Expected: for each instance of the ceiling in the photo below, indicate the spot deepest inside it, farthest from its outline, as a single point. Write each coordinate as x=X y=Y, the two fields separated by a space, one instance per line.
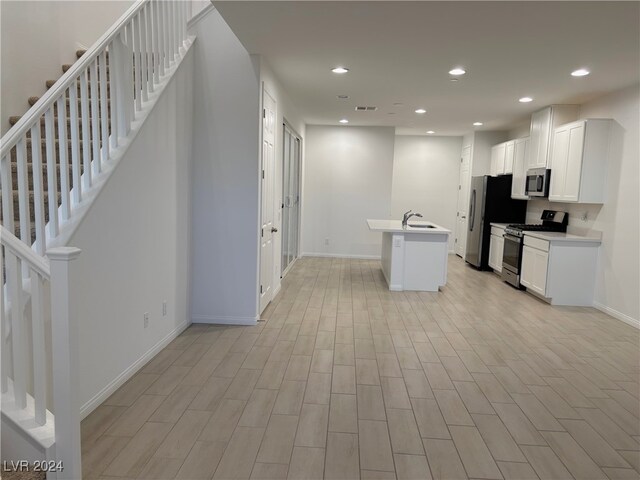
x=401 y=52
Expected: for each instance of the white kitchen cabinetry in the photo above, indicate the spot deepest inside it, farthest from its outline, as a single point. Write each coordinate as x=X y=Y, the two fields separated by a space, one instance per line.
x=497 y=159
x=579 y=161
x=535 y=259
x=543 y=124
x=509 y=151
x=496 y=248
x=561 y=269
x=519 y=182
x=502 y=158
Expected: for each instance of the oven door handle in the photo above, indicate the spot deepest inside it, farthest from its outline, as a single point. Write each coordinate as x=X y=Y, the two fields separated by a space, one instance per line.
x=513 y=238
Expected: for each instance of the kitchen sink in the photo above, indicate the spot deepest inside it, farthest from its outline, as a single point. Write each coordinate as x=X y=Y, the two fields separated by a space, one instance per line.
x=418 y=225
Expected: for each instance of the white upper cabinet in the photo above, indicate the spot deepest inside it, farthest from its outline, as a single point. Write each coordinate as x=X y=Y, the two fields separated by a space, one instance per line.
x=579 y=161
x=509 y=151
x=543 y=123
x=502 y=158
x=519 y=182
x=497 y=159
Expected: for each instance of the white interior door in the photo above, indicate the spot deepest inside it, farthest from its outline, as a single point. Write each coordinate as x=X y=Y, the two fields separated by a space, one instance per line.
x=267 y=225
x=463 y=202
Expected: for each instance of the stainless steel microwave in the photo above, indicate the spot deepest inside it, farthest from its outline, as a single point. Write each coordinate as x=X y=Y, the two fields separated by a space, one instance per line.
x=538 y=182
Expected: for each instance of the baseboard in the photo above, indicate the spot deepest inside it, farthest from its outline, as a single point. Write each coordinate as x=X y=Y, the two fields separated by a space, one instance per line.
x=623 y=317
x=221 y=320
x=107 y=391
x=342 y=255
x=276 y=290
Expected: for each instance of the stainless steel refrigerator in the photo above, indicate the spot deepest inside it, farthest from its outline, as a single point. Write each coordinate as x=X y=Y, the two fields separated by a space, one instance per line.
x=490 y=201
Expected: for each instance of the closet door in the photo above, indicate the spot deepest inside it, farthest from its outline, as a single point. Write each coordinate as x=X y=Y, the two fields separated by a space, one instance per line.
x=290 y=198
x=285 y=198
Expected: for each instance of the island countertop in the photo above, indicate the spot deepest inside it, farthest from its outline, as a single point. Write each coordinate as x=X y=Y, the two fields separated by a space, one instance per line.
x=395 y=226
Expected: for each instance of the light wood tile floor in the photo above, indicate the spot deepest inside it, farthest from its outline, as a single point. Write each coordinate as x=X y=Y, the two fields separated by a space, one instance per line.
x=343 y=380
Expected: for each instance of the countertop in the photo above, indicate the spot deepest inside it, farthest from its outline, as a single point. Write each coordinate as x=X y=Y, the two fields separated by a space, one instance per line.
x=556 y=237
x=395 y=226
x=578 y=235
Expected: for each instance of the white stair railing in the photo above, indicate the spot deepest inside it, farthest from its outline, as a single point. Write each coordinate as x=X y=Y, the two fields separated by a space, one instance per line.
x=24 y=380
x=103 y=93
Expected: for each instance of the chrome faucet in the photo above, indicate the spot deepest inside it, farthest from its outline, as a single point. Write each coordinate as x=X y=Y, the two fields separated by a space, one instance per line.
x=407 y=216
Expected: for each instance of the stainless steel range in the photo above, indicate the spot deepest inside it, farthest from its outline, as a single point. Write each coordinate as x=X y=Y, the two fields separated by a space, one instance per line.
x=552 y=221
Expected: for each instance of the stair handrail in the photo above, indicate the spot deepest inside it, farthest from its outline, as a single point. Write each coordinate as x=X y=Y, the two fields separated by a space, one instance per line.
x=22 y=126
x=96 y=103
x=12 y=243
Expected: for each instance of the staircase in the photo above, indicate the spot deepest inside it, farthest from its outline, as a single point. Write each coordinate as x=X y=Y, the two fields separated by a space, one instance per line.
x=29 y=157
x=53 y=162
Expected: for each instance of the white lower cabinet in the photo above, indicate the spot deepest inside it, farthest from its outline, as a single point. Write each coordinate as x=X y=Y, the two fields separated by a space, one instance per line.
x=496 y=248
x=563 y=270
x=534 y=269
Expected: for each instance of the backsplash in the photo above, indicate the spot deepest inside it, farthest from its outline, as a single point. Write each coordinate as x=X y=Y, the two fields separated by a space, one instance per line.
x=582 y=216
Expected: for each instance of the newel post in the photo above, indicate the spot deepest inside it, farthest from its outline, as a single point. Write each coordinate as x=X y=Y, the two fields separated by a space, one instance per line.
x=64 y=323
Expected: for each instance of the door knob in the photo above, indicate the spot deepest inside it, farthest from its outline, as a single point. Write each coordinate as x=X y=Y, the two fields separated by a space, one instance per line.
x=274 y=229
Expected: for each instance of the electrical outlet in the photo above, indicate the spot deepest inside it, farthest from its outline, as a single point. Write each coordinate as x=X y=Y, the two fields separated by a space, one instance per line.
x=585 y=216
x=146 y=319
x=326 y=241
x=164 y=308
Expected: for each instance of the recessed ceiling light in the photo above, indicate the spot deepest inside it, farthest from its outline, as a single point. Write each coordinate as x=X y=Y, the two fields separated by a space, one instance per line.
x=340 y=70
x=525 y=100
x=421 y=110
x=430 y=132
x=344 y=120
x=457 y=71
x=477 y=124
x=343 y=97
x=581 y=72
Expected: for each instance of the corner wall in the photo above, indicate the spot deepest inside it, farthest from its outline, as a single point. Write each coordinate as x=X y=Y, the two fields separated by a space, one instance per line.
x=226 y=181
x=135 y=248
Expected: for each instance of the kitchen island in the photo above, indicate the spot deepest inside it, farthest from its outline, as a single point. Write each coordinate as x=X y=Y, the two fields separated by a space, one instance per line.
x=413 y=257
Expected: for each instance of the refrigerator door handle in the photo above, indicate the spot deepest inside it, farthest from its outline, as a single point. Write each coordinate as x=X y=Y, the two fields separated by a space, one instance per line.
x=472 y=207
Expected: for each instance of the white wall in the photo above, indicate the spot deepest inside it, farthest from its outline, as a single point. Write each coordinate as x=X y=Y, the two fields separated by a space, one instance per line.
x=135 y=247
x=618 y=277
x=38 y=37
x=347 y=179
x=481 y=150
x=285 y=110
x=225 y=177
x=426 y=172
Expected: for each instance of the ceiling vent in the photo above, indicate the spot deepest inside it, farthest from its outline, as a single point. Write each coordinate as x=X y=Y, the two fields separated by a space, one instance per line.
x=366 y=109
